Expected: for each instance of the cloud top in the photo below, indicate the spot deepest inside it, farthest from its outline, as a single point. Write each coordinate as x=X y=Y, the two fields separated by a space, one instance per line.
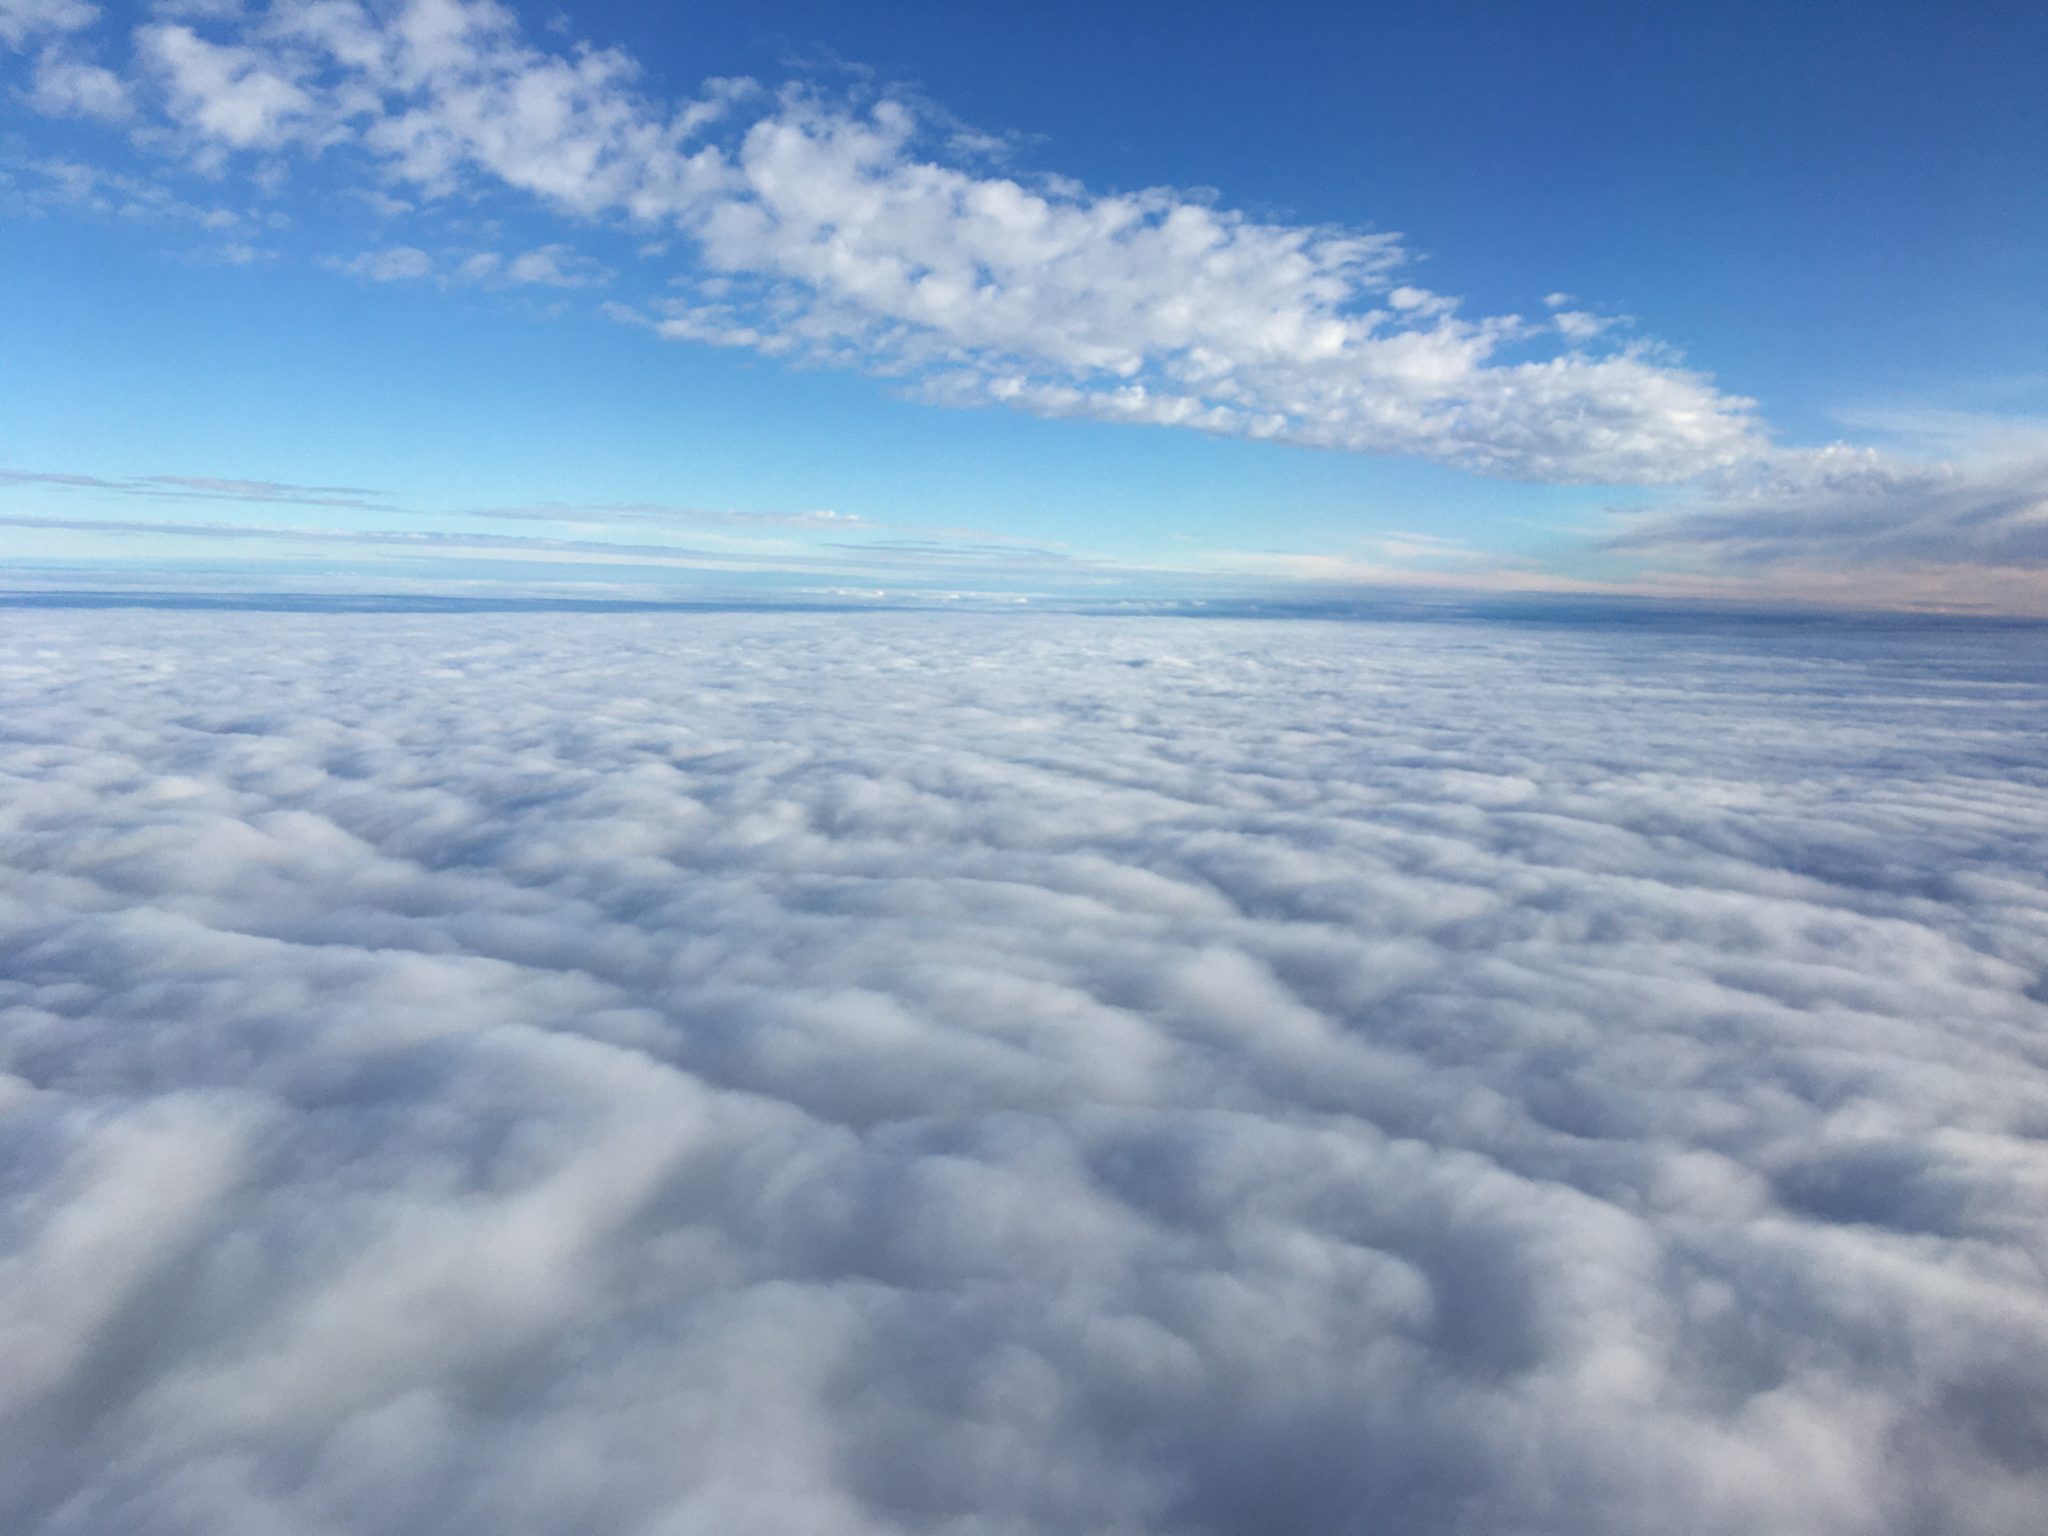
x=736 y=1072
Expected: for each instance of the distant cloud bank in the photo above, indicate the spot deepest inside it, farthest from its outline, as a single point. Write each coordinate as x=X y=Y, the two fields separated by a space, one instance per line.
x=660 y=1073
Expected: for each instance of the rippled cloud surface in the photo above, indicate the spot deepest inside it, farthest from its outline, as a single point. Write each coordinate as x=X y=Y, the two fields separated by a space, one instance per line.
x=736 y=1073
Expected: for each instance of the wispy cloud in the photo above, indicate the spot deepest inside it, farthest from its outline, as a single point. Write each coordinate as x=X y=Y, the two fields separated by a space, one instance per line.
x=392 y=264
x=547 y=266
x=1866 y=510
x=663 y=514
x=66 y=86
x=206 y=488
x=1968 y=528
x=26 y=21
x=908 y=559
x=53 y=183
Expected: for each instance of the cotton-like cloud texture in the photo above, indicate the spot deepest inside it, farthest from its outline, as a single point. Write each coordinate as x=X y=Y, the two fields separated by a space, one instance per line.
x=770 y=1073
x=859 y=233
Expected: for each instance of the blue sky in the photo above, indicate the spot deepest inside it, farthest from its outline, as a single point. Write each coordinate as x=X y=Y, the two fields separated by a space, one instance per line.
x=1739 y=300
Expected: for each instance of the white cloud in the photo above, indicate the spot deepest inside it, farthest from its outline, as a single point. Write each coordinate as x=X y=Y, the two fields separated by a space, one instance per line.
x=394 y=264
x=838 y=233
x=55 y=183
x=550 y=266
x=22 y=21
x=1579 y=325
x=234 y=97
x=206 y=488
x=66 y=86
x=529 y=1075
x=383 y=204
x=555 y=266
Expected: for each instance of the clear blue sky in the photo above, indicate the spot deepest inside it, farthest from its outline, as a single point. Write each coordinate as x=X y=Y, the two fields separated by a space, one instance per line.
x=223 y=266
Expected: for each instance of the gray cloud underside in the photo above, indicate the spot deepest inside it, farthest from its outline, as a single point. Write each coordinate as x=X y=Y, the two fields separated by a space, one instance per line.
x=1870 y=511
x=656 y=1075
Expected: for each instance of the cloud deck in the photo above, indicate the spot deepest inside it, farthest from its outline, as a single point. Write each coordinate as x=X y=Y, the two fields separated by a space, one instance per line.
x=659 y=1073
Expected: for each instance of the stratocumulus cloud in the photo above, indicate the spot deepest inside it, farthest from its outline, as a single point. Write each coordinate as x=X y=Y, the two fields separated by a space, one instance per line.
x=661 y=1073
x=856 y=233
x=1965 y=529
x=1863 y=508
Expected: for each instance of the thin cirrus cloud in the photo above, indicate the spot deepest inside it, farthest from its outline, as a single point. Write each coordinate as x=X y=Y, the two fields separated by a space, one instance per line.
x=829 y=232
x=793 y=538
x=532 y=1075
x=226 y=489
x=548 y=266
x=755 y=549
x=203 y=488
x=618 y=513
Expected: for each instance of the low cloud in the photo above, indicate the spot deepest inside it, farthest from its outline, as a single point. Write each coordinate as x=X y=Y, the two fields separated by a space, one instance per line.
x=1847 y=518
x=531 y=1074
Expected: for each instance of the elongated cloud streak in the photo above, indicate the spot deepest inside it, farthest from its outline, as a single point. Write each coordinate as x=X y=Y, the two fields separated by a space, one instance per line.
x=833 y=232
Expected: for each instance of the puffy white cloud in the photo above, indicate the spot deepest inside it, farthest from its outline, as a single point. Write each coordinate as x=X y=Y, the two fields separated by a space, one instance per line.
x=66 y=86
x=741 y=1072
x=22 y=21
x=1579 y=325
x=839 y=232
x=235 y=97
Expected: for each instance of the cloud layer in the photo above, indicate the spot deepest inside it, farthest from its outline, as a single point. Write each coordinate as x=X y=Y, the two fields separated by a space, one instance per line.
x=1870 y=511
x=1836 y=515
x=679 y=1073
x=862 y=234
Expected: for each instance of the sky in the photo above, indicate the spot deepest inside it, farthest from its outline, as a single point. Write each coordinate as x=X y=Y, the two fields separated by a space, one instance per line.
x=523 y=1012
x=1064 y=302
